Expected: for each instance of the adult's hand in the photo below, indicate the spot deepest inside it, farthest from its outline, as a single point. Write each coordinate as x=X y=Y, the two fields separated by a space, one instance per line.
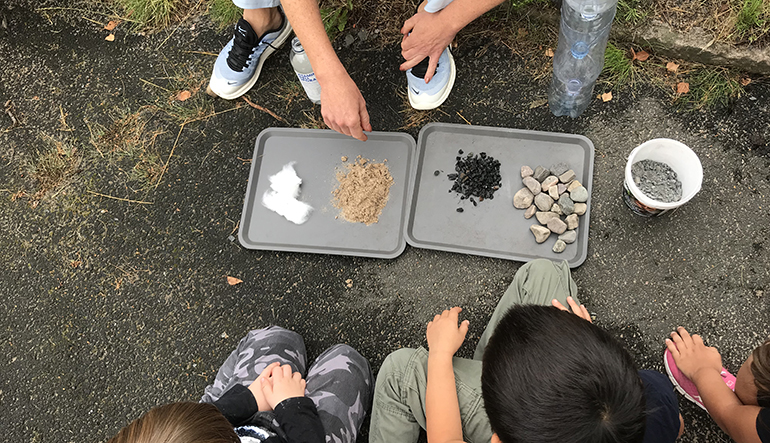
x=691 y=355
x=580 y=311
x=344 y=108
x=425 y=36
x=444 y=335
x=282 y=384
x=256 y=388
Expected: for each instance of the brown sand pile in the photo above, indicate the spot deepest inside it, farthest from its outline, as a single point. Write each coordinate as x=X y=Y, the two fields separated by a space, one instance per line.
x=363 y=191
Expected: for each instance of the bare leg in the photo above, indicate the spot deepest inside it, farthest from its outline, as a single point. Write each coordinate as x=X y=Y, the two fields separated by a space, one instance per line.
x=263 y=19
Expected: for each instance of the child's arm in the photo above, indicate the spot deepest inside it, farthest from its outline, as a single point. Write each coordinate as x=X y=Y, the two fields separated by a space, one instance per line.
x=703 y=365
x=296 y=414
x=442 y=410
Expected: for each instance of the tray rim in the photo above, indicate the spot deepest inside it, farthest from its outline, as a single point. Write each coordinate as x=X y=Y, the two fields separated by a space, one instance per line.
x=430 y=127
x=327 y=133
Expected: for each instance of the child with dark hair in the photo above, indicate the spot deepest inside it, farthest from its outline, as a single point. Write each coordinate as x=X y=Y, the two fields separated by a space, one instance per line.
x=739 y=404
x=546 y=376
x=262 y=393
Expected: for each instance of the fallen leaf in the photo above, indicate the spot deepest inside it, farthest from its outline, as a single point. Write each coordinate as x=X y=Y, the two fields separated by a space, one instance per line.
x=549 y=52
x=184 y=95
x=607 y=96
x=110 y=38
x=682 y=88
x=641 y=55
x=232 y=281
x=672 y=67
x=112 y=24
x=745 y=81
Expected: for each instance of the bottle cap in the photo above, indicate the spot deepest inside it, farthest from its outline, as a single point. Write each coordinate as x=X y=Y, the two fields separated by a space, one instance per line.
x=296 y=46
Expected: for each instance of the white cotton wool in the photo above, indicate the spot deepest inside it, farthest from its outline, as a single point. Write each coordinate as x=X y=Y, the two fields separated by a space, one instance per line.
x=281 y=198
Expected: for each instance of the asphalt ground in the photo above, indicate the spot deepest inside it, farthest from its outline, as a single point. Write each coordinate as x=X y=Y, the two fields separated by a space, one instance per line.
x=112 y=307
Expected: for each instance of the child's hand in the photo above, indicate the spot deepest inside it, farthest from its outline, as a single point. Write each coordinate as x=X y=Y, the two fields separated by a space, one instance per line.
x=444 y=336
x=580 y=311
x=281 y=385
x=256 y=388
x=691 y=355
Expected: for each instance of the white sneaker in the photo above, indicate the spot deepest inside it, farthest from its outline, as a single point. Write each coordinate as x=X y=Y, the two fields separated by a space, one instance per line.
x=239 y=63
x=432 y=94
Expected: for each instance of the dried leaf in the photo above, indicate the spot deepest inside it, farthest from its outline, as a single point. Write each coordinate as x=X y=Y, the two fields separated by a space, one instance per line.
x=232 y=281
x=110 y=38
x=682 y=88
x=672 y=67
x=607 y=96
x=522 y=32
x=641 y=55
x=549 y=52
x=112 y=24
x=184 y=95
x=745 y=81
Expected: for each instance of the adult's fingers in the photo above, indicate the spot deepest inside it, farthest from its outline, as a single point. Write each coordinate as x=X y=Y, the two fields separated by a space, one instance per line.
x=572 y=305
x=365 y=124
x=557 y=304
x=432 y=65
x=408 y=25
x=671 y=346
x=357 y=132
x=586 y=315
x=410 y=63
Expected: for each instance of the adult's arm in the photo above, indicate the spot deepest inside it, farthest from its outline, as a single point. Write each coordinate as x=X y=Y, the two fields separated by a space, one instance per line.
x=428 y=34
x=739 y=421
x=342 y=105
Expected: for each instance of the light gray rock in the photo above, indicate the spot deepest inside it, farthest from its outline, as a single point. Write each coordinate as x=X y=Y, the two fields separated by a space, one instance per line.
x=530 y=212
x=579 y=194
x=549 y=181
x=572 y=221
x=573 y=184
x=566 y=204
x=532 y=184
x=567 y=176
x=559 y=246
x=553 y=192
x=580 y=208
x=523 y=199
x=526 y=171
x=543 y=217
x=540 y=173
x=559 y=168
x=556 y=208
x=557 y=226
x=562 y=188
x=568 y=237
x=541 y=233
x=543 y=202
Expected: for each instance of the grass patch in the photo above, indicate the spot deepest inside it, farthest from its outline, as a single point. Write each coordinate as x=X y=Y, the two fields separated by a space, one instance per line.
x=224 y=13
x=710 y=87
x=618 y=68
x=55 y=165
x=197 y=104
x=335 y=14
x=753 y=20
x=153 y=14
x=313 y=119
x=291 y=92
x=631 y=12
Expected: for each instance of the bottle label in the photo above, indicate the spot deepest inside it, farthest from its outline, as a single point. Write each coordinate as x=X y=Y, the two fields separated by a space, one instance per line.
x=311 y=86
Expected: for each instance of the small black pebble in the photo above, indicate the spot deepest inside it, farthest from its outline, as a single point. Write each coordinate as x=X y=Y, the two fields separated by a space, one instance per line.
x=436 y=172
x=460 y=209
x=460 y=152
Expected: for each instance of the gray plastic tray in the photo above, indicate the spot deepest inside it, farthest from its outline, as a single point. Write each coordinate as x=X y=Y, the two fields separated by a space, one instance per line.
x=494 y=228
x=317 y=154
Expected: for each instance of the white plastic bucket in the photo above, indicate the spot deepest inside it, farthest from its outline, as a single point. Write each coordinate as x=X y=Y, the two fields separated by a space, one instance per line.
x=680 y=158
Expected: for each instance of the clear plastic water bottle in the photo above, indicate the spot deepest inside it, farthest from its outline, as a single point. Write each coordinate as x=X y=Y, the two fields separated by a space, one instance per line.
x=579 y=58
x=301 y=65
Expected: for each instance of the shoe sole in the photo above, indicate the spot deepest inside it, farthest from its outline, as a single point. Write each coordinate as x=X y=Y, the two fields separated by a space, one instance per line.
x=444 y=95
x=679 y=388
x=274 y=46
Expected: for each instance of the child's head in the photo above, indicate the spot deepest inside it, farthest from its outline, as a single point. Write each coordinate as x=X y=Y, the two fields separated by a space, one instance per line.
x=752 y=384
x=184 y=422
x=550 y=376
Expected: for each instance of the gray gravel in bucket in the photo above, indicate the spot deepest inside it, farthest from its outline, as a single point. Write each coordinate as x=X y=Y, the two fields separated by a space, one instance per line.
x=657 y=181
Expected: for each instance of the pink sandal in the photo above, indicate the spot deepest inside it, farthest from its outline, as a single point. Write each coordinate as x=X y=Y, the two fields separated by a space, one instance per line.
x=687 y=387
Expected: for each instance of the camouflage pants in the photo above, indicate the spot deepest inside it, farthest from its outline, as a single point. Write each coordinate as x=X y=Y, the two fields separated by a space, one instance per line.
x=339 y=381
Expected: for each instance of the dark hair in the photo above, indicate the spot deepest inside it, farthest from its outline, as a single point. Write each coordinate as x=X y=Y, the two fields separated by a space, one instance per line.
x=183 y=422
x=760 y=369
x=550 y=376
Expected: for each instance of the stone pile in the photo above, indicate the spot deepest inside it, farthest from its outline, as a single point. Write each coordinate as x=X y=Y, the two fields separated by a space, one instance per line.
x=556 y=199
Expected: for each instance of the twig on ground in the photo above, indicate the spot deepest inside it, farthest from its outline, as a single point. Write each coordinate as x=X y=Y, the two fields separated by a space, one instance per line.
x=58 y=8
x=170 y=154
x=201 y=52
x=153 y=84
x=120 y=198
x=92 y=20
x=465 y=119
x=263 y=109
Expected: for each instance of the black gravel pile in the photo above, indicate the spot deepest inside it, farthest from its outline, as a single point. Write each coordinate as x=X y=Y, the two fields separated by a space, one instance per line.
x=657 y=180
x=475 y=176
